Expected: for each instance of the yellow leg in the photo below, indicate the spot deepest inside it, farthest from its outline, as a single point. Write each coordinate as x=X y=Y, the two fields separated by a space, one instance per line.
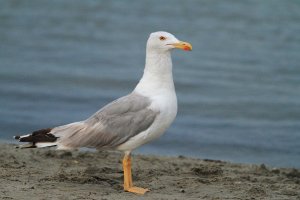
x=128 y=185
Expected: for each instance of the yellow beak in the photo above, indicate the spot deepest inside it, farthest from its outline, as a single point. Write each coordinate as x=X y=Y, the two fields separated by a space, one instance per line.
x=183 y=45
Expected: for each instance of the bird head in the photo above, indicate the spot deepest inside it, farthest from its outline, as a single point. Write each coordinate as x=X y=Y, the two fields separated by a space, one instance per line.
x=164 y=41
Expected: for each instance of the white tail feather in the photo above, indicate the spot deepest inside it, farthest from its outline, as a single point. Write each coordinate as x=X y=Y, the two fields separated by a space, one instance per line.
x=45 y=144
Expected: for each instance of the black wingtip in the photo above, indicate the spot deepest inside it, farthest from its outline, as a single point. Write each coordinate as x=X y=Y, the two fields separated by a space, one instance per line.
x=42 y=135
x=17 y=137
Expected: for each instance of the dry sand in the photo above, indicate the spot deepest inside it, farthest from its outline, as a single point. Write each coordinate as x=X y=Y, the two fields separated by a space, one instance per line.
x=48 y=174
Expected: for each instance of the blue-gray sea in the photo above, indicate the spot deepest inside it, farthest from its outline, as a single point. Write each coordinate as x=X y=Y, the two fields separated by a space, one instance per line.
x=238 y=90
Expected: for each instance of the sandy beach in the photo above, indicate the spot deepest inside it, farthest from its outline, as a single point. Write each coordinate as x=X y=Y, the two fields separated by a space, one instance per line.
x=49 y=174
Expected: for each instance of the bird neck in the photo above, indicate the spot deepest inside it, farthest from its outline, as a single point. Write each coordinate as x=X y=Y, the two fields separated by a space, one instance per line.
x=157 y=75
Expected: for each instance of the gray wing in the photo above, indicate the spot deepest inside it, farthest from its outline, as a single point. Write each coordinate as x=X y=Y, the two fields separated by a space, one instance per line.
x=111 y=126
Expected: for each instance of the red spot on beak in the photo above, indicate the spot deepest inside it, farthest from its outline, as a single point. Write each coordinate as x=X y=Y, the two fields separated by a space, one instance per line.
x=187 y=48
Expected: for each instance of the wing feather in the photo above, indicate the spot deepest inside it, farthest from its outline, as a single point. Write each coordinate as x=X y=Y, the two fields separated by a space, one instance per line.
x=111 y=126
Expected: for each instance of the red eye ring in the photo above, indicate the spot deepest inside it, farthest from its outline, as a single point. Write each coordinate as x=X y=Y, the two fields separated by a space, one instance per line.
x=162 y=38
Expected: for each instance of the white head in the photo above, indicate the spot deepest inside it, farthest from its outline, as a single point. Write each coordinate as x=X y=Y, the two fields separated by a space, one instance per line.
x=163 y=41
x=158 y=77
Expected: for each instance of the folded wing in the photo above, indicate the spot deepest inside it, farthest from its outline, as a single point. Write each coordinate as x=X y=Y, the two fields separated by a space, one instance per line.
x=111 y=126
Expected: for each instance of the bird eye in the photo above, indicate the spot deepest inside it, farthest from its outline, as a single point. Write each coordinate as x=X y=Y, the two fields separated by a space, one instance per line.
x=162 y=38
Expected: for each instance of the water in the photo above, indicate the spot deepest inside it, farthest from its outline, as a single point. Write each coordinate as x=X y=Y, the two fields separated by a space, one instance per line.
x=238 y=90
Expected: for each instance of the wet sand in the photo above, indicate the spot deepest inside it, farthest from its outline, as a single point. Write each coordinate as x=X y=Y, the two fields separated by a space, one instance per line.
x=49 y=174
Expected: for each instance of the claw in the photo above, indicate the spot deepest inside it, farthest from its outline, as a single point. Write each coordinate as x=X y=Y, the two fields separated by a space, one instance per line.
x=137 y=190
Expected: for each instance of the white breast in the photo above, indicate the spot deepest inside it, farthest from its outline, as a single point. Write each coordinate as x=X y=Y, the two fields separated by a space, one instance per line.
x=166 y=105
x=156 y=84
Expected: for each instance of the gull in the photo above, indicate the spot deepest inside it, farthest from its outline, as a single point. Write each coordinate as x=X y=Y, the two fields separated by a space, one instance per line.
x=130 y=121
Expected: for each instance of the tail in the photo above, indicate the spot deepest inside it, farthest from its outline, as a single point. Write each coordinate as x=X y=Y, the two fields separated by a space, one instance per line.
x=39 y=138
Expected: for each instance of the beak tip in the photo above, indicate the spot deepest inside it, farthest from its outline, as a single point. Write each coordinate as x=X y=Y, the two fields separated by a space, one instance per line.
x=183 y=45
x=187 y=46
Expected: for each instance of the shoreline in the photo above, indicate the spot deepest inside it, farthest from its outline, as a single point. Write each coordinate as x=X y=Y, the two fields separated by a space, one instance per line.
x=147 y=151
x=49 y=174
